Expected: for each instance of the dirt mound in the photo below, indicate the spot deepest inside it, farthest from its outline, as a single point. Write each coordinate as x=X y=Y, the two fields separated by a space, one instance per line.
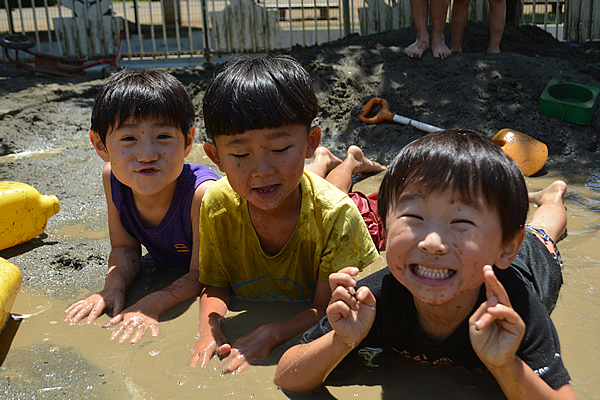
x=469 y=90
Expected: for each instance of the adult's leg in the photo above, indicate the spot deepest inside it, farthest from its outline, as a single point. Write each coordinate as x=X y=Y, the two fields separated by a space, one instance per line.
x=439 y=11
x=497 y=20
x=420 y=13
x=550 y=215
x=460 y=15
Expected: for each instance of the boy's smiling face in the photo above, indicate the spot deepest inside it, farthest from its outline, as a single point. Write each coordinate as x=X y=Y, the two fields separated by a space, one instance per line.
x=438 y=245
x=265 y=166
x=146 y=156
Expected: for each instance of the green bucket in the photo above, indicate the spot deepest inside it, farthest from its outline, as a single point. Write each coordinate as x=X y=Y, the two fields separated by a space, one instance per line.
x=570 y=102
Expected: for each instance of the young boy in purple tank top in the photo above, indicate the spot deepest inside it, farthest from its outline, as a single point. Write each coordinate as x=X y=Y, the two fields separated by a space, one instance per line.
x=143 y=127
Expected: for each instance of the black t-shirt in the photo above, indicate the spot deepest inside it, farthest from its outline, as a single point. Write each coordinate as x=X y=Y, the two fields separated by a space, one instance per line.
x=396 y=326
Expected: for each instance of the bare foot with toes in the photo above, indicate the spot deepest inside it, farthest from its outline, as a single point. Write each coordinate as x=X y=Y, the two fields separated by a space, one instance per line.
x=552 y=194
x=550 y=215
x=323 y=163
x=417 y=49
x=325 y=157
x=439 y=49
x=364 y=164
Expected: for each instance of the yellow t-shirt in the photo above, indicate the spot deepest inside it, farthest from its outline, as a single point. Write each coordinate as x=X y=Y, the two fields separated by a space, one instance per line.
x=330 y=235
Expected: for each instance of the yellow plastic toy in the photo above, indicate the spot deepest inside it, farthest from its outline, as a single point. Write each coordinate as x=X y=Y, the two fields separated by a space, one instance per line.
x=23 y=213
x=10 y=282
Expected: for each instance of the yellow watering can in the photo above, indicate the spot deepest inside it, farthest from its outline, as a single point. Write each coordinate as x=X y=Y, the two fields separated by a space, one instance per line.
x=23 y=213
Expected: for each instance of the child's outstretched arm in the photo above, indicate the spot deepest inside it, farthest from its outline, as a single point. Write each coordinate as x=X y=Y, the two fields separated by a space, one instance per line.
x=259 y=343
x=496 y=331
x=123 y=267
x=144 y=314
x=304 y=367
x=214 y=305
x=256 y=345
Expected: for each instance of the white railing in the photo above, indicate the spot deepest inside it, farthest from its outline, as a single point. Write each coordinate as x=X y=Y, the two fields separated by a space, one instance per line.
x=175 y=28
x=543 y=10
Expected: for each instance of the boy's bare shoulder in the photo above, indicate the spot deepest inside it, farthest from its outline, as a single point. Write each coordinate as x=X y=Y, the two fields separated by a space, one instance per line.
x=106 y=171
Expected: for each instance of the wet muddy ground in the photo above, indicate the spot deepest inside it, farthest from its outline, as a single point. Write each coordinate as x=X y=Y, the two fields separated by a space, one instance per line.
x=44 y=123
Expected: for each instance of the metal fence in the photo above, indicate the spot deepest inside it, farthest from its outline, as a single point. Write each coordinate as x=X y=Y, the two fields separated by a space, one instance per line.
x=176 y=28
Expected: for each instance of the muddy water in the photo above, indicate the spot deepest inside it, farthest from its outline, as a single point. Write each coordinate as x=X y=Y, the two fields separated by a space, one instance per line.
x=79 y=230
x=30 y=154
x=45 y=357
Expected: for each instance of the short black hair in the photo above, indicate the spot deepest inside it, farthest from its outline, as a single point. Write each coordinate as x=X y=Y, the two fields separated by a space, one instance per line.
x=258 y=92
x=142 y=94
x=465 y=161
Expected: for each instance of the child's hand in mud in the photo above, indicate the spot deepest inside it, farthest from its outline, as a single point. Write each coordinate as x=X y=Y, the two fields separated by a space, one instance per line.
x=94 y=306
x=351 y=313
x=495 y=328
x=247 y=350
x=135 y=320
x=206 y=346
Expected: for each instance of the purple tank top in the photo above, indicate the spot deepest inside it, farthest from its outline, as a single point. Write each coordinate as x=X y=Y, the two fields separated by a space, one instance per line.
x=170 y=242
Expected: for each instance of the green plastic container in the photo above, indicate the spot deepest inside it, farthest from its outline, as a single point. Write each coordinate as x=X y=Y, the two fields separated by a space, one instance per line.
x=569 y=101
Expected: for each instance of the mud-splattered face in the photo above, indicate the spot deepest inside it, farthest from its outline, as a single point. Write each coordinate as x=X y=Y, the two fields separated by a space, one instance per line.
x=146 y=156
x=265 y=166
x=437 y=245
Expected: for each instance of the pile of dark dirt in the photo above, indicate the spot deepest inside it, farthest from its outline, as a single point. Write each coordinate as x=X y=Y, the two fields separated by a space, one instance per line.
x=469 y=90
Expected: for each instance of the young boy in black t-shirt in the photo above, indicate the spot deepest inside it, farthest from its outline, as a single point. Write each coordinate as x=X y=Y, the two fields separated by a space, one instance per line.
x=468 y=283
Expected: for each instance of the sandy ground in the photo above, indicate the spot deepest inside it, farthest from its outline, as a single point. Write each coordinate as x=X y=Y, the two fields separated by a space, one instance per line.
x=49 y=116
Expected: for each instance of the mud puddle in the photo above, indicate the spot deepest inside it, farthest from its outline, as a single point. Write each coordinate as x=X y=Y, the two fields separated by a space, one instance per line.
x=48 y=358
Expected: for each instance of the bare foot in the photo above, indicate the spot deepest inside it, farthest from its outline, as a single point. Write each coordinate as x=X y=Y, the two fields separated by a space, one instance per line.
x=552 y=194
x=364 y=164
x=550 y=215
x=323 y=155
x=417 y=49
x=493 y=49
x=456 y=49
x=439 y=49
x=324 y=162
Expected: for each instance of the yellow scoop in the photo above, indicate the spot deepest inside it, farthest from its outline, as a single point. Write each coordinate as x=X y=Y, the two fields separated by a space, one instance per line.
x=530 y=154
x=23 y=213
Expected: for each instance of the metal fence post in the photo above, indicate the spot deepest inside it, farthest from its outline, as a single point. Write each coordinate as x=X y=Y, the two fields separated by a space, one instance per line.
x=346 y=9
x=8 y=9
x=205 y=34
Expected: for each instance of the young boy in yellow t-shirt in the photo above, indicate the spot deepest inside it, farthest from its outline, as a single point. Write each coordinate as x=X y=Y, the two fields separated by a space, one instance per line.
x=270 y=230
